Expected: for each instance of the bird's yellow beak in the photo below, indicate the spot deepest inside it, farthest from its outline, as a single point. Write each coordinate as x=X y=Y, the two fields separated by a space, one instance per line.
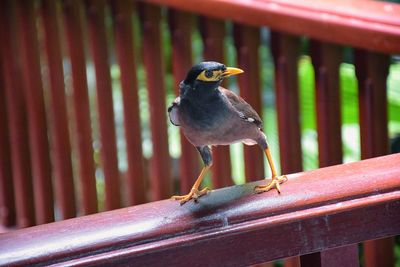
x=231 y=71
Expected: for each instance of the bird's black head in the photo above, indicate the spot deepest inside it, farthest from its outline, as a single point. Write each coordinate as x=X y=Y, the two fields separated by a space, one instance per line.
x=209 y=74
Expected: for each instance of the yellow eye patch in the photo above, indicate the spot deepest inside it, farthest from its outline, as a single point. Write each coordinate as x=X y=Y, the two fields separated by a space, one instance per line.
x=210 y=75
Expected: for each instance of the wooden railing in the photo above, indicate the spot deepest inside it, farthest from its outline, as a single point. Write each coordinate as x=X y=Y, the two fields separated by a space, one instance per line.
x=46 y=131
x=319 y=210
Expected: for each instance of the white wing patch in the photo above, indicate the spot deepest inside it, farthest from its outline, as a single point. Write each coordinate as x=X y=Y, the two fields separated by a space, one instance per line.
x=249 y=119
x=177 y=100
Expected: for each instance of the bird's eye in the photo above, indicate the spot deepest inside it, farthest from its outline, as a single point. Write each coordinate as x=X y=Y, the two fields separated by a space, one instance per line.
x=208 y=73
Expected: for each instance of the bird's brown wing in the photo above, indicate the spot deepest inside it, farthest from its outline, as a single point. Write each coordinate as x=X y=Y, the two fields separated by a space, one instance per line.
x=243 y=108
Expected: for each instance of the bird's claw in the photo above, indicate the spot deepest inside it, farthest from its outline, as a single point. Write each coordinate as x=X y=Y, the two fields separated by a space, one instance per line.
x=193 y=194
x=275 y=183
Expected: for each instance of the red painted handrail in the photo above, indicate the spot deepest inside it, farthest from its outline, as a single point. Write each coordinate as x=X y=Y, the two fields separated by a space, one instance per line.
x=320 y=209
x=365 y=24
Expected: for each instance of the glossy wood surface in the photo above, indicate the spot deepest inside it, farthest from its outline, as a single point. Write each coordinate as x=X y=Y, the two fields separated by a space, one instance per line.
x=317 y=210
x=354 y=23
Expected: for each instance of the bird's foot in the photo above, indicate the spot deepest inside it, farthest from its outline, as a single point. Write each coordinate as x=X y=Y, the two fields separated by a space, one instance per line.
x=275 y=183
x=193 y=194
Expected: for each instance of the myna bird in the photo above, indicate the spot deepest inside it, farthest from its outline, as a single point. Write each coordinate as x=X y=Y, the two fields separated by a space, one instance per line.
x=211 y=115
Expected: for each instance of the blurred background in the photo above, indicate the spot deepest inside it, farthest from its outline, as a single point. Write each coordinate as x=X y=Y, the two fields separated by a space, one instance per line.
x=23 y=20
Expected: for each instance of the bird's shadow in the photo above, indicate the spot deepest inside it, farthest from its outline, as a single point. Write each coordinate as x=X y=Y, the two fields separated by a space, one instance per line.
x=218 y=204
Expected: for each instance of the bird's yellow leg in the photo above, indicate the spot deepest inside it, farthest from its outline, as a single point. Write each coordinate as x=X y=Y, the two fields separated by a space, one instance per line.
x=276 y=180
x=194 y=192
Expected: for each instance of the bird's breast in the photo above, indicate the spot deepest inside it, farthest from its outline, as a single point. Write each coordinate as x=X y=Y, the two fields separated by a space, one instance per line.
x=202 y=116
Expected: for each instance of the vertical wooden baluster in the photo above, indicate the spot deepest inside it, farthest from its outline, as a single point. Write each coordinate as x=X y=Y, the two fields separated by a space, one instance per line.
x=181 y=25
x=247 y=42
x=16 y=111
x=64 y=183
x=372 y=70
x=7 y=205
x=213 y=33
x=122 y=12
x=74 y=37
x=161 y=181
x=326 y=59
x=98 y=47
x=39 y=143
x=285 y=51
x=343 y=256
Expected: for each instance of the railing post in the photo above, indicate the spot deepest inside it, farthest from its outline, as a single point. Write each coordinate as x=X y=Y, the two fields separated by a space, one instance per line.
x=16 y=111
x=160 y=176
x=38 y=139
x=98 y=47
x=7 y=205
x=247 y=42
x=64 y=183
x=181 y=25
x=372 y=70
x=122 y=15
x=285 y=51
x=326 y=59
x=81 y=114
x=342 y=256
x=213 y=34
